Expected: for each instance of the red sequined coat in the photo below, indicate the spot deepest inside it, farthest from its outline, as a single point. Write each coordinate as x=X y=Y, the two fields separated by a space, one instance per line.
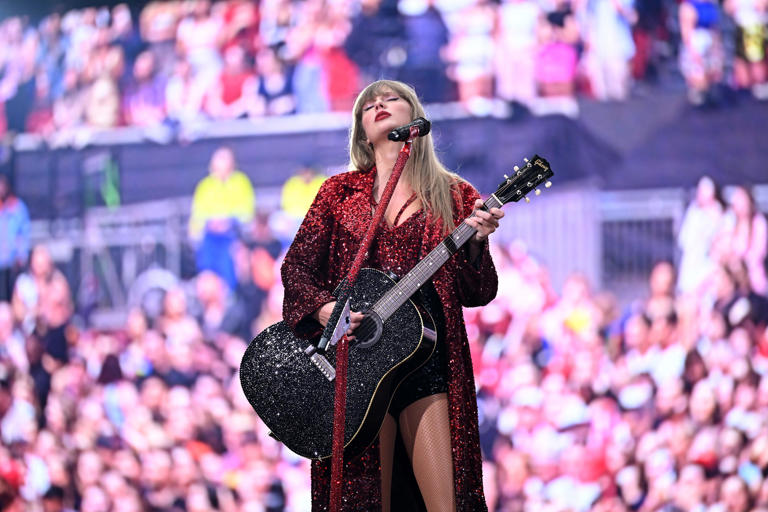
x=320 y=257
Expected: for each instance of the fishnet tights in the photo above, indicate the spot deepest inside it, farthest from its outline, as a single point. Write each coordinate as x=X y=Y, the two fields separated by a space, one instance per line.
x=425 y=429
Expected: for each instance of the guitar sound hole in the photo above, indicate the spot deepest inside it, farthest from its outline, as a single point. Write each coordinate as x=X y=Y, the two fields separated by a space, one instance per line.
x=369 y=330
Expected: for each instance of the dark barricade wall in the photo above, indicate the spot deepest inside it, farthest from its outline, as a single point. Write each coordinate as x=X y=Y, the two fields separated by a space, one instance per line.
x=730 y=144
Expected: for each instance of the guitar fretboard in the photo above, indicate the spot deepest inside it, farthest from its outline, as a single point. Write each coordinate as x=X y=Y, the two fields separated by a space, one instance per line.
x=424 y=270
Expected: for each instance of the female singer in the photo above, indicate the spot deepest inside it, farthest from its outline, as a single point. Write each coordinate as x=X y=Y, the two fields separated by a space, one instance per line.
x=427 y=453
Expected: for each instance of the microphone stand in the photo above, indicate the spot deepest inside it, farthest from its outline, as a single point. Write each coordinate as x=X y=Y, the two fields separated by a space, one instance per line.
x=342 y=347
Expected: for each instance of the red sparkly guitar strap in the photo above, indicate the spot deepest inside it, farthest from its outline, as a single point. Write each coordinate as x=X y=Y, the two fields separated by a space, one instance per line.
x=342 y=347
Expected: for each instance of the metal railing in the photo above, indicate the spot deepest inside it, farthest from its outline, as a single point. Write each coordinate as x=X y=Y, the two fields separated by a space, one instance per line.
x=637 y=230
x=104 y=253
x=613 y=238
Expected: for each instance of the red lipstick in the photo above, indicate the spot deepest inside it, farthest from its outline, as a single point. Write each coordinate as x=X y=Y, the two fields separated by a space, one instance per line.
x=382 y=115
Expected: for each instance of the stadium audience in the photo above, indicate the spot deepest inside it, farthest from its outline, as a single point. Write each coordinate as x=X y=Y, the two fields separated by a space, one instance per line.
x=583 y=406
x=750 y=71
x=144 y=97
x=661 y=405
x=234 y=92
x=313 y=55
x=515 y=42
x=701 y=48
x=14 y=237
x=700 y=225
x=609 y=46
x=744 y=237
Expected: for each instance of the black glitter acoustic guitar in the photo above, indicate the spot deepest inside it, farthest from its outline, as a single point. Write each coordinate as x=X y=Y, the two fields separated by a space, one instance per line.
x=291 y=386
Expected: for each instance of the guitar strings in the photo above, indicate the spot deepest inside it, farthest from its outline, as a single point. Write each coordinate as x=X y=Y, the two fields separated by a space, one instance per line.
x=392 y=300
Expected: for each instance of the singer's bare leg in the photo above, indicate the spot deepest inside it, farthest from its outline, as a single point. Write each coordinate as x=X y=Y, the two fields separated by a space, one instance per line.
x=387 y=436
x=426 y=432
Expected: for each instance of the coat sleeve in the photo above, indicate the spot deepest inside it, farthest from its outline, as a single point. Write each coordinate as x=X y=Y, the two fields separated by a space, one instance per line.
x=476 y=281
x=304 y=270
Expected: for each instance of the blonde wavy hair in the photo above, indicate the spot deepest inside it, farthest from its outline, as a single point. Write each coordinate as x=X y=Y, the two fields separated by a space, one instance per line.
x=428 y=178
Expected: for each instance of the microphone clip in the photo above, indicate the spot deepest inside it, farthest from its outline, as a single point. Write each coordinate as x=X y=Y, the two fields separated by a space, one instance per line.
x=416 y=128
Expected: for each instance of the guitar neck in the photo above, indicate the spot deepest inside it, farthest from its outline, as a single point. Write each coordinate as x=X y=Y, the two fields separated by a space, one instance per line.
x=423 y=271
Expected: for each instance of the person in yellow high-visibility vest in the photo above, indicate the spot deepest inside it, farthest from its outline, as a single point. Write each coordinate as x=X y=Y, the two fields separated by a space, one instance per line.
x=299 y=191
x=223 y=203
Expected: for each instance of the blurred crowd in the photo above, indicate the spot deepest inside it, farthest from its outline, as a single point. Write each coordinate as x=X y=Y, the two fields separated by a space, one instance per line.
x=656 y=405
x=585 y=404
x=171 y=66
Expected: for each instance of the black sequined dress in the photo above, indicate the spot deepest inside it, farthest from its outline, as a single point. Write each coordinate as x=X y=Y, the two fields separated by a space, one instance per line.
x=395 y=251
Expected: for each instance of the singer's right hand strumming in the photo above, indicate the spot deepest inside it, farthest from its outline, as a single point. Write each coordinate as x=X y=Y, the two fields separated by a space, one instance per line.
x=323 y=314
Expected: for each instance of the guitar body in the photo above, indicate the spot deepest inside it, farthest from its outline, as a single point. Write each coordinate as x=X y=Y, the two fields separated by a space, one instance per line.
x=295 y=399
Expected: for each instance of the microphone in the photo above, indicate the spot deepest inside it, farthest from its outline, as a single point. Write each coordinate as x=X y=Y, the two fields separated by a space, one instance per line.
x=403 y=132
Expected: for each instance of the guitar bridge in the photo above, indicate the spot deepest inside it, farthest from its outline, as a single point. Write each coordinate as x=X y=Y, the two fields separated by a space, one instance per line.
x=319 y=360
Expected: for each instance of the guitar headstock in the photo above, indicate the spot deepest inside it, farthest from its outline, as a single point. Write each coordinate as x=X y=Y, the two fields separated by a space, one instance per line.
x=525 y=178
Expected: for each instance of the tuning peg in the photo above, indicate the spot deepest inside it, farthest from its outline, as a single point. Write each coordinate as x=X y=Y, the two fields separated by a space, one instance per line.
x=538 y=192
x=548 y=184
x=527 y=199
x=525 y=159
x=517 y=168
x=506 y=177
